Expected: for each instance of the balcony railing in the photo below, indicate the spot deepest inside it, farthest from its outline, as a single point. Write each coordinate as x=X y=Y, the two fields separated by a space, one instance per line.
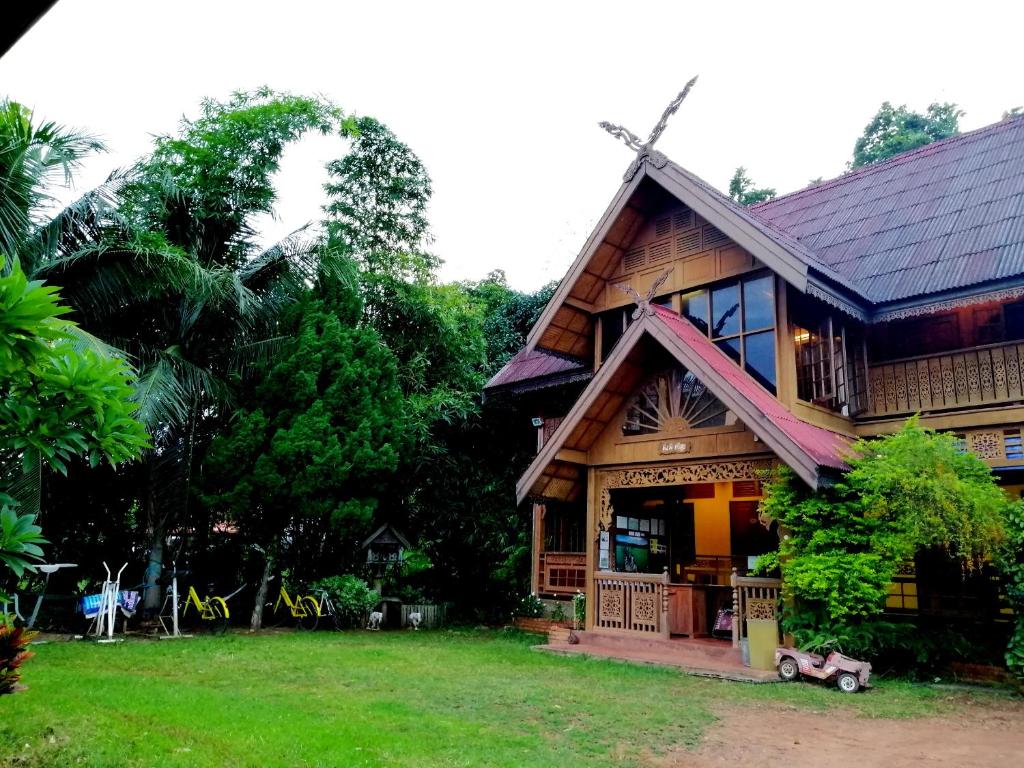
x=955 y=380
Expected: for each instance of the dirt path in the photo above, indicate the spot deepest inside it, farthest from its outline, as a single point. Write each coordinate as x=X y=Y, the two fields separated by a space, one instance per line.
x=983 y=735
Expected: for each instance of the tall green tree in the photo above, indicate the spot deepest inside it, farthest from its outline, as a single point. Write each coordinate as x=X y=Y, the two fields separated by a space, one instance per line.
x=743 y=191
x=894 y=130
x=164 y=266
x=306 y=461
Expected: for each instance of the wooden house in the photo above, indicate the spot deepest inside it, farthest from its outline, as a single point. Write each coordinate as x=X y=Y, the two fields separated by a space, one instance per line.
x=756 y=336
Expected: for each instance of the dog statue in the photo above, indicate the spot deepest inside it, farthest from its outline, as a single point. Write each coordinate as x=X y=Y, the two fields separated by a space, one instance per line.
x=414 y=619
x=376 y=617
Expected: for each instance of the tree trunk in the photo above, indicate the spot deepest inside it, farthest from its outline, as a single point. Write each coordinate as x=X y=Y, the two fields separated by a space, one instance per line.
x=154 y=563
x=261 y=593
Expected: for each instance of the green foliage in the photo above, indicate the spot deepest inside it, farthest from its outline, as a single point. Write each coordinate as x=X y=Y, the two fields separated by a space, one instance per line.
x=20 y=538
x=1011 y=567
x=530 y=606
x=352 y=597
x=579 y=610
x=57 y=397
x=842 y=545
x=894 y=130
x=32 y=155
x=378 y=195
x=317 y=441
x=13 y=653
x=743 y=191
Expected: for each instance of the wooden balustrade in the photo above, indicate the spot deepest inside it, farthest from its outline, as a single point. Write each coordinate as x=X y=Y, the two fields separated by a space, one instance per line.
x=965 y=379
x=753 y=597
x=632 y=602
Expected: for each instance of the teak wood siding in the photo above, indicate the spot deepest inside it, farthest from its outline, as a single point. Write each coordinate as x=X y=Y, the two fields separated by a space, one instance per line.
x=677 y=239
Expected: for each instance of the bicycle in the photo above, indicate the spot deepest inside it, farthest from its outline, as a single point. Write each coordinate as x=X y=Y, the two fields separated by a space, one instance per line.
x=327 y=609
x=211 y=611
x=305 y=609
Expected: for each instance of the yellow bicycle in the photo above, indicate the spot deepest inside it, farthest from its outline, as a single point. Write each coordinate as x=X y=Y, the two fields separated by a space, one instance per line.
x=211 y=611
x=211 y=608
x=305 y=609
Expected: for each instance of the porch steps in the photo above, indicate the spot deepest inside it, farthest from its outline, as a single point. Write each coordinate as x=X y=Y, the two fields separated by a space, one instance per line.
x=703 y=657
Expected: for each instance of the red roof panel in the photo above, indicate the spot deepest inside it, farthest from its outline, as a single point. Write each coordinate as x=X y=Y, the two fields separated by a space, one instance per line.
x=825 y=447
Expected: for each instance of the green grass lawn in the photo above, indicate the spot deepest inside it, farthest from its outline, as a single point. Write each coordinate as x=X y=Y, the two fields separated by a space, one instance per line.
x=375 y=699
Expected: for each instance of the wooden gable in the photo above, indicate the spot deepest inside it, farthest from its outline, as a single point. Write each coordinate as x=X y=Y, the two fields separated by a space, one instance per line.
x=659 y=219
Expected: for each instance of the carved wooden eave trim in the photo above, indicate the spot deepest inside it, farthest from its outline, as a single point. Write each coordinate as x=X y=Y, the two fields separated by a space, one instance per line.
x=833 y=299
x=921 y=310
x=723 y=214
x=675 y=474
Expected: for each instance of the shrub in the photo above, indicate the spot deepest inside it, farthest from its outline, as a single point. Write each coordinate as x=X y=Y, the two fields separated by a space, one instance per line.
x=352 y=597
x=842 y=545
x=1011 y=565
x=13 y=653
x=531 y=607
x=579 y=610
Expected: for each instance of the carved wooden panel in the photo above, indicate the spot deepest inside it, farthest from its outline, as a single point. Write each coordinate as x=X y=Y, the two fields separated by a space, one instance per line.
x=986 y=445
x=759 y=608
x=966 y=379
x=677 y=474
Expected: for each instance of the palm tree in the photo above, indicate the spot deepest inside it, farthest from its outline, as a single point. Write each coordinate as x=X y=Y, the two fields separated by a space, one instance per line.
x=160 y=263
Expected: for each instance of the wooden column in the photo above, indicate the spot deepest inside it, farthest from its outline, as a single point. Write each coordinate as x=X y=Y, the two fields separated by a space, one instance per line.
x=537 y=535
x=593 y=495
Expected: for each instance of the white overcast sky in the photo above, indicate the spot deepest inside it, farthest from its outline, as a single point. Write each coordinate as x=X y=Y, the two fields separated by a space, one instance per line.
x=501 y=101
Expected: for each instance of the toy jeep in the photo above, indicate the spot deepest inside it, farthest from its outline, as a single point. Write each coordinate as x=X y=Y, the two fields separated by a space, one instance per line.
x=849 y=674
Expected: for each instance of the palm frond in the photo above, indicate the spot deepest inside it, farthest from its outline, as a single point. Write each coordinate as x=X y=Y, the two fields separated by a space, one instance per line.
x=76 y=226
x=103 y=278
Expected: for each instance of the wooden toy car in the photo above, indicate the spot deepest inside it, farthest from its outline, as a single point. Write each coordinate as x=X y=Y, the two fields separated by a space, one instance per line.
x=849 y=674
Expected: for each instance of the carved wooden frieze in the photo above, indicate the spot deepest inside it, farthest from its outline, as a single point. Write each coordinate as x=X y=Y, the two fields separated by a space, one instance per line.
x=676 y=474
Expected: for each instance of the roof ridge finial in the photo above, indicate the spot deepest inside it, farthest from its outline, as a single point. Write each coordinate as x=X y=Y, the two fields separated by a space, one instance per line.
x=643 y=303
x=645 y=151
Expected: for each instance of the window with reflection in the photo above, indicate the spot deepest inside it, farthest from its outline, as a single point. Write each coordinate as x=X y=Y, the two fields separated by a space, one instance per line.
x=739 y=317
x=831 y=357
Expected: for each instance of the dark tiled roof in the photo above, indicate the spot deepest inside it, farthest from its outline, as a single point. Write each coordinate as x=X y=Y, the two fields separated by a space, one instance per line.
x=536 y=364
x=947 y=216
x=824 y=447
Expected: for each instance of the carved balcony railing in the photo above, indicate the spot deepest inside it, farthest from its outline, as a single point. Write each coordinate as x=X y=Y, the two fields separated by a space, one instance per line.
x=955 y=380
x=632 y=602
x=563 y=573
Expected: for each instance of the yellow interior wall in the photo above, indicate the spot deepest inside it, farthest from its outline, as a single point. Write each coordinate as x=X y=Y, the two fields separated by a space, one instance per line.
x=711 y=522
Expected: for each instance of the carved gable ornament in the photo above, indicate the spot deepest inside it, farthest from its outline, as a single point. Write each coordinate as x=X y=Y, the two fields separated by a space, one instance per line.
x=645 y=151
x=674 y=400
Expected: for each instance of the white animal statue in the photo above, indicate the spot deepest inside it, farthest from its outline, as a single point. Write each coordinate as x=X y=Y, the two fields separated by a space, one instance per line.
x=376 y=617
x=415 y=618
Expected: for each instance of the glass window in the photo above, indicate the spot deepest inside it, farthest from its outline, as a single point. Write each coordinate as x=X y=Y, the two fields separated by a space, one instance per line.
x=758 y=303
x=725 y=310
x=613 y=325
x=731 y=347
x=695 y=309
x=759 y=357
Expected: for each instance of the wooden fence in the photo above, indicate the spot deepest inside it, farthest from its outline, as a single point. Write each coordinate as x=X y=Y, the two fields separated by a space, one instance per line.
x=431 y=616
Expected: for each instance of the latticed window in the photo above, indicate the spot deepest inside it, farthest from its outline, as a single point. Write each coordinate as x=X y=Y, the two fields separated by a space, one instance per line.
x=674 y=400
x=831 y=361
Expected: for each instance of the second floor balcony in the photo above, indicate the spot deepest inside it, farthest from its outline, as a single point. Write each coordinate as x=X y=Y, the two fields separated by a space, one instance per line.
x=972 y=378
